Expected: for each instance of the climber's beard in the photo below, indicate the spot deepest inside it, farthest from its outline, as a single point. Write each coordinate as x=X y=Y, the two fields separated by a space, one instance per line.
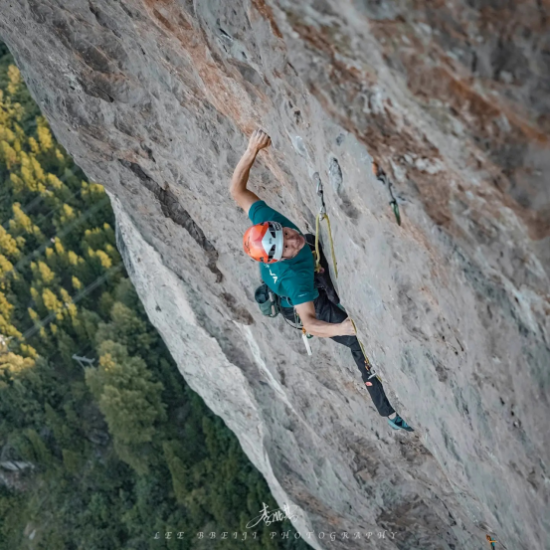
x=293 y=243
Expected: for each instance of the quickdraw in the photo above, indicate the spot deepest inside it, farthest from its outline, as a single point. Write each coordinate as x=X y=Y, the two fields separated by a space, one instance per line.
x=381 y=176
x=305 y=339
x=322 y=215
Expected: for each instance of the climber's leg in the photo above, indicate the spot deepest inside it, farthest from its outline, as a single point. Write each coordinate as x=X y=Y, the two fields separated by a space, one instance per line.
x=331 y=313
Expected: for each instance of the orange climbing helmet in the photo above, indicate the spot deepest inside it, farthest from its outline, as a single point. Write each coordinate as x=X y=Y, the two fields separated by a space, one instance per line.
x=263 y=242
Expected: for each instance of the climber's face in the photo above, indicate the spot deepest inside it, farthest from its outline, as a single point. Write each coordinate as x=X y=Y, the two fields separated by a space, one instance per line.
x=293 y=243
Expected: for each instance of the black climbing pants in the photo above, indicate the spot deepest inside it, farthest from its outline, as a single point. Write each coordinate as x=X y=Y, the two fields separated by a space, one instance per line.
x=329 y=312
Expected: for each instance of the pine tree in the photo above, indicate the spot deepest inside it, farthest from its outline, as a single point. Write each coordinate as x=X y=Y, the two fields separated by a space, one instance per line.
x=128 y=396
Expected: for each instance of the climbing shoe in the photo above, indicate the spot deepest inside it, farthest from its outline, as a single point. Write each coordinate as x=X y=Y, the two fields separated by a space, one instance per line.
x=398 y=423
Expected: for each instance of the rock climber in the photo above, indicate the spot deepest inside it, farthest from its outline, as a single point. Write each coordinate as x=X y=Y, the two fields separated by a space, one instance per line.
x=287 y=266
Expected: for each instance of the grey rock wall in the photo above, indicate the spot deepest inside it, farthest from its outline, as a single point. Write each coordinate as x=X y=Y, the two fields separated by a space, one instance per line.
x=155 y=99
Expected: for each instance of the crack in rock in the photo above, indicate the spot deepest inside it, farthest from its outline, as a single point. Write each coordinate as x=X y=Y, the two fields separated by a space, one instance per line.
x=172 y=209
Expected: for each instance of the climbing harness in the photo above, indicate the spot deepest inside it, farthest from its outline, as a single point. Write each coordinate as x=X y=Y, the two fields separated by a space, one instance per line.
x=381 y=176
x=270 y=306
x=322 y=215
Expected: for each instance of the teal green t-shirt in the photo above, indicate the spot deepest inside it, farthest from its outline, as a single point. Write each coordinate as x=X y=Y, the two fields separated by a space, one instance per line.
x=291 y=279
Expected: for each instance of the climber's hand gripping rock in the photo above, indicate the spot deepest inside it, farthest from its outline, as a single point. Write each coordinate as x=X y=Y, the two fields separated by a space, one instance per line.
x=347 y=328
x=258 y=140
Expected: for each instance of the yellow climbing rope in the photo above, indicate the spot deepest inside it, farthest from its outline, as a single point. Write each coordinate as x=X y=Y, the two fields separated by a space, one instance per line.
x=322 y=215
x=361 y=344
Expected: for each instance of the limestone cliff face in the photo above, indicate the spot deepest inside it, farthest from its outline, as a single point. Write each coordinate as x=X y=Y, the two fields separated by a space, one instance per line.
x=155 y=98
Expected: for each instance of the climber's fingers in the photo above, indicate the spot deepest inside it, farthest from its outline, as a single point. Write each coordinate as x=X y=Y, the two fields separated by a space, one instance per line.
x=259 y=140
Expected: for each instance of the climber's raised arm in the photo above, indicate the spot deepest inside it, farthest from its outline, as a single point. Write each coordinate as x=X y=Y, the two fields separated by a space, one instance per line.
x=240 y=194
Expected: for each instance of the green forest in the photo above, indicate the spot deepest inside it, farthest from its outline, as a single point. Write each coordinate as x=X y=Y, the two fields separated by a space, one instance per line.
x=105 y=451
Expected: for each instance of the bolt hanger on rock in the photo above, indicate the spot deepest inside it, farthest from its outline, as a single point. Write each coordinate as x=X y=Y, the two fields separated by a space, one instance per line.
x=381 y=176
